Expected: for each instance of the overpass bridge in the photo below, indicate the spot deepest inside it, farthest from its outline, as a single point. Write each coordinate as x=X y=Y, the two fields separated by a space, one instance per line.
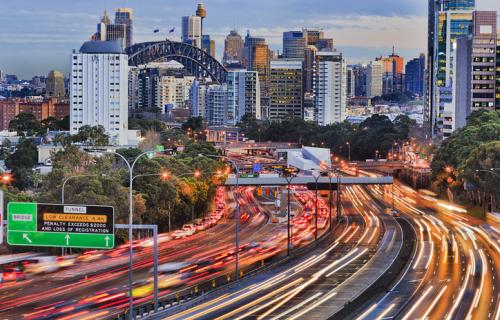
x=308 y=180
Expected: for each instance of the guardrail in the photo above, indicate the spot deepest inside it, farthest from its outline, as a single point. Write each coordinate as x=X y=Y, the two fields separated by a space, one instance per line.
x=200 y=292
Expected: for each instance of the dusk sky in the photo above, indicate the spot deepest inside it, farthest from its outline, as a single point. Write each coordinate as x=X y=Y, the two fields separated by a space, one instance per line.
x=38 y=36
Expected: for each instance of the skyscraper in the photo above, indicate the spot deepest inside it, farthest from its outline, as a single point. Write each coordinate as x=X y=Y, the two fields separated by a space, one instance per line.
x=360 y=75
x=233 y=48
x=351 y=82
x=257 y=56
x=54 y=85
x=330 y=88
x=374 y=79
x=99 y=89
x=415 y=76
x=309 y=59
x=121 y=30
x=294 y=44
x=208 y=45
x=285 y=89
x=123 y=16
x=250 y=41
x=392 y=78
x=324 y=44
x=312 y=36
x=191 y=30
x=448 y=20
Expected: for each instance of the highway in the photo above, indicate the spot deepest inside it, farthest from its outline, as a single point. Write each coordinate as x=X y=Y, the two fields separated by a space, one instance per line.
x=97 y=286
x=311 y=287
x=453 y=273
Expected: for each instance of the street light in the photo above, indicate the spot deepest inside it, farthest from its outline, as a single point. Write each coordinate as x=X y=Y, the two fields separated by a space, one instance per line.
x=492 y=171
x=289 y=244
x=237 y=212
x=316 y=175
x=130 y=168
x=349 y=145
x=75 y=177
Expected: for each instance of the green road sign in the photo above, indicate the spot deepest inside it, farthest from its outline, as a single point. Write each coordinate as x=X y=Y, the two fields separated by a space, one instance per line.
x=58 y=225
x=249 y=175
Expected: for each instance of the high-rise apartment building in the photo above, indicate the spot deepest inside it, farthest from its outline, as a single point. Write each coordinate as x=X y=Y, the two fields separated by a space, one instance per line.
x=330 y=88
x=285 y=89
x=191 y=30
x=374 y=79
x=197 y=99
x=54 y=85
x=243 y=96
x=233 y=48
x=99 y=89
x=216 y=102
x=497 y=90
x=484 y=37
x=294 y=43
x=415 y=76
x=309 y=59
x=124 y=16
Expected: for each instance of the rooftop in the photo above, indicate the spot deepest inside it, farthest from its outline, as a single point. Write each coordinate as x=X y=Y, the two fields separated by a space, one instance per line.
x=102 y=47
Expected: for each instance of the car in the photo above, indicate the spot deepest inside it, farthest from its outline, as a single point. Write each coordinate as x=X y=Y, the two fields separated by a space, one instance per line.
x=178 y=234
x=189 y=229
x=12 y=274
x=41 y=265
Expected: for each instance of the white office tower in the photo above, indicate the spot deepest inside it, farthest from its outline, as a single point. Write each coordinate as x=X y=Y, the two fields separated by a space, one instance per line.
x=330 y=88
x=216 y=102
x=99 y=89
x=243 y=95
x=374 y=79
x=173 y=90
x=191 y=30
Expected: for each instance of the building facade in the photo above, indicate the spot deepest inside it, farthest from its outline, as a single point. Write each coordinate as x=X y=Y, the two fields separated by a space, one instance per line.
x=330 y=88
x=99 y=89
x=191 y=31
x=294 y=44
x=54 y=85
x=48 y=108
x=216 y=104
x=243 y=96
x=374 y=79
x=124 y=16
x=286 y=89
x=233 y=48
x=415 y=76
x=484 y=37
x=351 y=82
x=448 y=21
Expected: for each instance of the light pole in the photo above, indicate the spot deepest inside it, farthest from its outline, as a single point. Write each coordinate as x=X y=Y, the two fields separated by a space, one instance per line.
x=349 y=145
x=316 y=176
x=289 y=246
x=130 y=168
x=237 y=212
x=74 y=177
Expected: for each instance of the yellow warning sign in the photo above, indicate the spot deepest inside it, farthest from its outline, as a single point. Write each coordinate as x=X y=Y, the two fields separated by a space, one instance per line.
x=74 y=217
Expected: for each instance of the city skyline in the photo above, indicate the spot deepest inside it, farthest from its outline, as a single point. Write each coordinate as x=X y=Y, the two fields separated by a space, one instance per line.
x=356 y=30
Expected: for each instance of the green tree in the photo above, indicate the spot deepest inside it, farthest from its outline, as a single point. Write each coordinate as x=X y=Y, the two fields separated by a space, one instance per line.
x=21 y=163
x=193 y=123
x=25 y=123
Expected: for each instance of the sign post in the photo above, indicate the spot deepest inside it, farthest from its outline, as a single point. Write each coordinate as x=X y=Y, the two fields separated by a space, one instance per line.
x=58 y=225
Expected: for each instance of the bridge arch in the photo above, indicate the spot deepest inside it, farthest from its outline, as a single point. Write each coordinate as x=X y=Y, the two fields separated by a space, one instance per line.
x=196 y=61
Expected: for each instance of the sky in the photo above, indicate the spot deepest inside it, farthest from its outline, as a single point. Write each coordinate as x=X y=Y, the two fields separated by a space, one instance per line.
x=38 y=36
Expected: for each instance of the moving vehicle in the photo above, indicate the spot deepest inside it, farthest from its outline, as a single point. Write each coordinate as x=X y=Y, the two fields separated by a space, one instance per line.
x=12 y=274
x=39 y=265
